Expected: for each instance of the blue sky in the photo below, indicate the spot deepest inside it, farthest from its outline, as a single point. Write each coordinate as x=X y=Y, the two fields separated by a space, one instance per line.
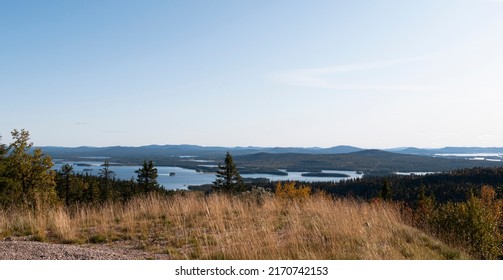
x=373 y=74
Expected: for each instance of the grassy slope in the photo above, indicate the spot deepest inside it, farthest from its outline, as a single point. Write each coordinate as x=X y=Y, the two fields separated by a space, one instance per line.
x=192 y=226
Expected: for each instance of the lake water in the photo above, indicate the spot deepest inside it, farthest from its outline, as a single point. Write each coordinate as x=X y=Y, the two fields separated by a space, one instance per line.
x=414 y=173
x=187 y=177
x=498 y=157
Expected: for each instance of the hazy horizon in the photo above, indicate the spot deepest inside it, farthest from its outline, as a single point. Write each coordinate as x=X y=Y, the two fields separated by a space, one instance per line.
x=323 y=73
x=266 y=147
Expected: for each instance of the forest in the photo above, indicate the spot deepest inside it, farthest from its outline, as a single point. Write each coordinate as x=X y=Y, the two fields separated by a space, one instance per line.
x=452 y=186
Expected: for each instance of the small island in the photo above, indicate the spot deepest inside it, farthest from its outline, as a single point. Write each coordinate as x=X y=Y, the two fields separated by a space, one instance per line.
x=323 y=174
x=264 y=171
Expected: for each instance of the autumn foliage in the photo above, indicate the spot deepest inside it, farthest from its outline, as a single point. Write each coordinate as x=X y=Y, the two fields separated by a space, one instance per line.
x=289 y=190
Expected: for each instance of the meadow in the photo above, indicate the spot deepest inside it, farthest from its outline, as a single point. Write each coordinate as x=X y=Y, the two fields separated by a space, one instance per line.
x=260 y=225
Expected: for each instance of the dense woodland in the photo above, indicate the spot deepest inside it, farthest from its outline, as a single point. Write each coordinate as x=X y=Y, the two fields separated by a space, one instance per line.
x=453 y=186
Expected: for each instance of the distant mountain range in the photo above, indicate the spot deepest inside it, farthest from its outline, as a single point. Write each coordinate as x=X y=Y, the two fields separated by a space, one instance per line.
x=450 y=150
x=188 y=150
x=270 y=159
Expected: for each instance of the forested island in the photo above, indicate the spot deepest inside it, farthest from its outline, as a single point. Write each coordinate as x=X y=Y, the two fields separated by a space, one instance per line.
x=325 y=174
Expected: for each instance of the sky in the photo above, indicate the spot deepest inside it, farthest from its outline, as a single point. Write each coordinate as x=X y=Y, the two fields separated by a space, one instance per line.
x=367 y=73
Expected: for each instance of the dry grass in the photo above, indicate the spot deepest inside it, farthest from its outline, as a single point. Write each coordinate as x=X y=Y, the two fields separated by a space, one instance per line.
x=193 y=226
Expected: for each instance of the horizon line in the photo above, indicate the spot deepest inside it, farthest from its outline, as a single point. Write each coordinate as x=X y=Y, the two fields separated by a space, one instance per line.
x=269 y=147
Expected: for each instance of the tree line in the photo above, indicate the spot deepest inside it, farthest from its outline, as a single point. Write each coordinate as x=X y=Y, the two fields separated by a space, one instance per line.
x=27 y=179
x=452 y=186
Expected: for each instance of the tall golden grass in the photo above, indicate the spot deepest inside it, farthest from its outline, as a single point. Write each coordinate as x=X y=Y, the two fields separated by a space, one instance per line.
x=218 y=226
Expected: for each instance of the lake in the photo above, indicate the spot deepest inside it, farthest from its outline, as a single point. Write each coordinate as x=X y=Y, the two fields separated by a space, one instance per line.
x=187 y=177
x=475 y=156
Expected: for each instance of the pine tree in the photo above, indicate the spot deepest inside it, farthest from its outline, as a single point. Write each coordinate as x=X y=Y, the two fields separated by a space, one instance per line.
x=3 y=150
x=106 y=173
x=147 y=177
x=3 y=153
x=67 y=172
x=107 y=176
x=4 y=196
x=228 y=178
x=386 y=193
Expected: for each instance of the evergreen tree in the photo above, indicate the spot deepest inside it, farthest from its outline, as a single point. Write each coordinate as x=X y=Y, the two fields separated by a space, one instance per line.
x=386 y=193
x=147 y=177
x=228 y=177
x=3 y=151
x=67 y=172
x=107 y=176
x=4 y=196
x=106 y=173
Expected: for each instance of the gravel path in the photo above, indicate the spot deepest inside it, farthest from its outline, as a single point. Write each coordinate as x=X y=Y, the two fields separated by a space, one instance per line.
x=30 y=250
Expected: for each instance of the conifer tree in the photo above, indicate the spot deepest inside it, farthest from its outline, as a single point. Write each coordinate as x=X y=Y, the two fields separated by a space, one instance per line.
x=3 y=180
x=106 y=173
x=3 y=150
x=386 y=193
x=147 y=177
x=3 y=153
x=67 y=172
x=228 y=178
x=107 y=176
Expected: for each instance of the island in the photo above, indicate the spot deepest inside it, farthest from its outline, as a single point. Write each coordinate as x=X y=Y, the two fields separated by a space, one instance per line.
x=325 y=174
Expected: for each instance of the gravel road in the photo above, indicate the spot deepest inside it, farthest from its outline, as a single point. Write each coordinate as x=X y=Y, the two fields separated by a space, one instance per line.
x=30 y=250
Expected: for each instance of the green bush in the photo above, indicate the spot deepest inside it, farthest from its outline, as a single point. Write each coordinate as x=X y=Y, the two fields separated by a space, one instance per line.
x=473 y=224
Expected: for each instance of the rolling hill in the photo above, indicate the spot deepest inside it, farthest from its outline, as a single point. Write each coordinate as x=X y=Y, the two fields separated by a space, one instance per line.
x=267 y=160
x=374 y=161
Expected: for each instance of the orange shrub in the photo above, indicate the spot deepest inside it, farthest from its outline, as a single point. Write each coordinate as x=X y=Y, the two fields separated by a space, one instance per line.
x=288 y=190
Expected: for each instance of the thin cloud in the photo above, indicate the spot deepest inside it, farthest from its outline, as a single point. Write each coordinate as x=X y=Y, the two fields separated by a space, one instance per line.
x=311 y=77
x=111 y=131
